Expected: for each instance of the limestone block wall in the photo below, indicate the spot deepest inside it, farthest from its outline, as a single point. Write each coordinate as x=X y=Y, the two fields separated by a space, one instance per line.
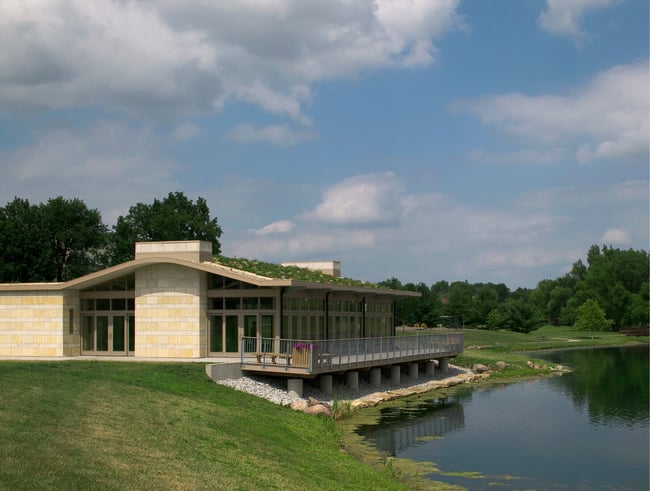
x=171 y=312
x=39 y=323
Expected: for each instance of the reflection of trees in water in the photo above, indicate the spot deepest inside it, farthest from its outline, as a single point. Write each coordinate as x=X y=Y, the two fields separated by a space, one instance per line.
x=611 y=383
x=400 y=428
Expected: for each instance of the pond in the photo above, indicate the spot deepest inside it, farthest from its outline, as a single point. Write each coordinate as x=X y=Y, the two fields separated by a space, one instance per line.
x=584 y=430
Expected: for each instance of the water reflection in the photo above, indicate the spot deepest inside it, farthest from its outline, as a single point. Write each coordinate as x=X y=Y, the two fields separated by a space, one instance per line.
x=585 y=430
x=407 y=426
x=611 y=384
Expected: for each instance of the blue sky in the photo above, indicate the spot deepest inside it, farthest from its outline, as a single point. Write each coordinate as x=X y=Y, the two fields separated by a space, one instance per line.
x=424 y=140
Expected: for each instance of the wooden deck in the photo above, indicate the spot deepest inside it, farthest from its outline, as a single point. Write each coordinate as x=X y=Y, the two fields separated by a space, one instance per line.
x=301 y=358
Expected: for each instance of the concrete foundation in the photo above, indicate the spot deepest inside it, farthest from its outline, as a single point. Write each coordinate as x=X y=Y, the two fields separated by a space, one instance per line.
x=430 y=368
x=295 y=385
x=326 y=384
x=223 y=371
x=443 y=365
x=395 y=374
x=375 y=377
x=352 y=380
x=414 y=369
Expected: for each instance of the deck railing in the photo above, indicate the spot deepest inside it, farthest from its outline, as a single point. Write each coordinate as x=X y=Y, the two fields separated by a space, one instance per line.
x=314 y=356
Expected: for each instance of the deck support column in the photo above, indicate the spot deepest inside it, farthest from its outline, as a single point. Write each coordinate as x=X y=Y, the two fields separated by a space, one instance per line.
x=430 y=368
x=375 y=377
x=352 y=380
x=414 y=370
x=325 y=383
x=443 y=365
x=395 y=373
x=295 y=385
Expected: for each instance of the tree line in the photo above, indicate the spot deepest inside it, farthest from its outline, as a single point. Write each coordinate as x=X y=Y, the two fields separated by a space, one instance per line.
x=611 y=290
x=62 y=239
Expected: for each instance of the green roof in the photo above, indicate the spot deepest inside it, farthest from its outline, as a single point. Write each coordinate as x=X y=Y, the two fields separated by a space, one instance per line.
x=277 y=271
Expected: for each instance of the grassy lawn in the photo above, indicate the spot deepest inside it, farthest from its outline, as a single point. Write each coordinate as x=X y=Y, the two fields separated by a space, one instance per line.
x=488 y=347
x=115 y=425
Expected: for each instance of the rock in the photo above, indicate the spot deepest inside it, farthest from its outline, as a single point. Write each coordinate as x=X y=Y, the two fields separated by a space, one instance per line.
x=313 y=402
x=479 y=368
x=318 y=410
x=501 y=365
x=299 y=405
x=529 y=364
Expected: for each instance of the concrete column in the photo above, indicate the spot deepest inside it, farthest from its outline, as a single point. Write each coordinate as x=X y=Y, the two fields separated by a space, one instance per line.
x=395 y=373
x=430 y=368
x=375 y=377
x=413 y=370
x=295 y=385
x=443 y=365
x=325 y=383
x=352 y=380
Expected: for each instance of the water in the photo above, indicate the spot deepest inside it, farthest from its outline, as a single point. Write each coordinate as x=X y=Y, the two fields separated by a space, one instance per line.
x=587 y=430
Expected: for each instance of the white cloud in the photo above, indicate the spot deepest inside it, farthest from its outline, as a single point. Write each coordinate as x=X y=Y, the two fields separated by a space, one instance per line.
x=276 y=134
x=279 y=227
x=562 y=17
x=360 y=200
x=607 y=119
x=183 y=58
x=617 y=236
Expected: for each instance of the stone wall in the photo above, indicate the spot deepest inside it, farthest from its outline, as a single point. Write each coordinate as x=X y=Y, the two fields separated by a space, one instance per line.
x=39 y=323
x=171 y=312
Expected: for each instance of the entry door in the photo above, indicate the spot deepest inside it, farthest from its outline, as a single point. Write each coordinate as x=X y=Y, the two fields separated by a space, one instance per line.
x=108 y=334
x=224 y=334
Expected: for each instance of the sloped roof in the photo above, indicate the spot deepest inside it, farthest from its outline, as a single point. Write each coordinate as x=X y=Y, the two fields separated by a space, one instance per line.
x=317 y=282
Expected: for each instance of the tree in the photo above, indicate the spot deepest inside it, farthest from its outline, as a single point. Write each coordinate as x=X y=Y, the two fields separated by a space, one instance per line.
x=591 y=317
x=75 y=234
x=173 y=218
x=55 y=241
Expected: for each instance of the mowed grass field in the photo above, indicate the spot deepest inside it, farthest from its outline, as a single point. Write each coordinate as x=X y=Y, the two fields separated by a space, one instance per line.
x=129 y=425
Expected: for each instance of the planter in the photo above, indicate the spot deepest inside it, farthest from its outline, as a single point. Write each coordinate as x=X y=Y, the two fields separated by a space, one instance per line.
x=301 y=357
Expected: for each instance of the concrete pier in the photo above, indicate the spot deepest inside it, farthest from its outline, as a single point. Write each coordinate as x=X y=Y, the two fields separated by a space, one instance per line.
x=295 y=385
x=443 y=365
x=414 y=369
x=430 y=368
x=375 y=377
x=352 y=380
x=326 y=384
x=395 y=373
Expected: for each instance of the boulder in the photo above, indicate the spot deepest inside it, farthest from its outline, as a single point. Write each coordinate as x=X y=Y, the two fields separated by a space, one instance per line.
x=479 y=368
x=501 y=365
x=318 y=410
x=299 y=405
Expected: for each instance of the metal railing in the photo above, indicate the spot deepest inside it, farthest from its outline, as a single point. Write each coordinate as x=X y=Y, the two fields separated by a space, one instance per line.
x=331 y=355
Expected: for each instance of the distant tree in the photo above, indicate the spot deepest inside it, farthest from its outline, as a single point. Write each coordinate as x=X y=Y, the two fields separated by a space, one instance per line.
x=55 y=241
x=173 y=218
x=75 y=234
x=520 y=316
x=494 y=319
x=591 y=317
x=23 y=252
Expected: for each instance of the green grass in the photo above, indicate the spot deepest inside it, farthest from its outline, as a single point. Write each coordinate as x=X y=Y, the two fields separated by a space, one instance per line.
x=114 y=425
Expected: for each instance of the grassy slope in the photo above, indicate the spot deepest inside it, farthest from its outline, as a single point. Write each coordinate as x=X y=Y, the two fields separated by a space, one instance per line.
x=111 y=425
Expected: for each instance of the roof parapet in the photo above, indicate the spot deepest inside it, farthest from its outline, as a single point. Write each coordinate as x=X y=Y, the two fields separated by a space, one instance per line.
x=190 y=250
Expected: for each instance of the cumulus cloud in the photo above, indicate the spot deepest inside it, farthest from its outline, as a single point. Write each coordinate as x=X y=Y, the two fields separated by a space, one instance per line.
x=562 y=17
x=279 y=227
x=183 y=58
x=617 y=236
x=360 y=200
x=186 y=132
x=607 y=119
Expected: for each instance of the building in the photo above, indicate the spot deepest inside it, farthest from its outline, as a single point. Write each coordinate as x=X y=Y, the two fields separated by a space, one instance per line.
x=174 y=301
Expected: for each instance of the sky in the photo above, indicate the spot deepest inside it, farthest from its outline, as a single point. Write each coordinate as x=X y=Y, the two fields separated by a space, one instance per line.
x=422 y=140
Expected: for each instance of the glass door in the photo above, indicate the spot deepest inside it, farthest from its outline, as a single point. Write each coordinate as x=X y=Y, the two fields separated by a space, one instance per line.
x=108 y=334
x=224 y=334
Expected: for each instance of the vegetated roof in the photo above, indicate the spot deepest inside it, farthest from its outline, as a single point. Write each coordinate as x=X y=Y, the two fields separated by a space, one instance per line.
x=277 y=271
